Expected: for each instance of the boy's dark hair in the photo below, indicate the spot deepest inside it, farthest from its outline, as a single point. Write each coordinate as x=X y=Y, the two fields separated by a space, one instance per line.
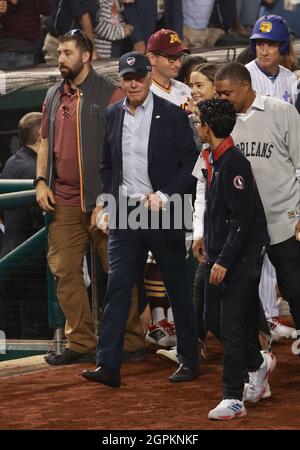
x=219 y=115
x=83 y=42
x=233 y=71
x=29 y=127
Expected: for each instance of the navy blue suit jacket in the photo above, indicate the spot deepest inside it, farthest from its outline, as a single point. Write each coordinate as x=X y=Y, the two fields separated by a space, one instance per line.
x=172 y=153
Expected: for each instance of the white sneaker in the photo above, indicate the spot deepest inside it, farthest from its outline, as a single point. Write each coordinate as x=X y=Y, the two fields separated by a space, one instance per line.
x=267 y=393
x=228 y=409
x=258 y=381
x=279 y=331
x=169 y=355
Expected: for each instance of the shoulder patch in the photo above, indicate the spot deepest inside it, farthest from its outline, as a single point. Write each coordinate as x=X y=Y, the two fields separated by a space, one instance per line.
x=238 y=182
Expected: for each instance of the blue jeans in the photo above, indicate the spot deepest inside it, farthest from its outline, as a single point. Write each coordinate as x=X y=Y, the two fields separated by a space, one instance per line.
x=128 y=250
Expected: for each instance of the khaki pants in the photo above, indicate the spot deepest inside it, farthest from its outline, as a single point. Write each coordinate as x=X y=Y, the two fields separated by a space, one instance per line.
x=205 y=38
x=69 y=234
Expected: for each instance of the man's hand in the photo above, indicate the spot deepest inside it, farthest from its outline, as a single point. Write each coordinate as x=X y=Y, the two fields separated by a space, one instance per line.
x=297 y=231
x=3 y=6
x=100 y=220
x=45 y=197
x=197 y=248
x=128 y=29
x=217 y=274
x=96 y=210
x=154 y=202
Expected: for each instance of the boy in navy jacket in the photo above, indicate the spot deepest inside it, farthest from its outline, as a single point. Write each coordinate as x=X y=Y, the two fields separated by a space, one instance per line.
x=235 y=235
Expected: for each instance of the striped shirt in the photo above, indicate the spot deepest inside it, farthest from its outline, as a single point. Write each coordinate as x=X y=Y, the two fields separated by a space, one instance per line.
x=284 y=86
x=196 y=13
x=109 y=26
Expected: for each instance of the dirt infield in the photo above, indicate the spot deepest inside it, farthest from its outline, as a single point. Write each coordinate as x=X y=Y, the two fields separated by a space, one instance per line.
x=59 y=398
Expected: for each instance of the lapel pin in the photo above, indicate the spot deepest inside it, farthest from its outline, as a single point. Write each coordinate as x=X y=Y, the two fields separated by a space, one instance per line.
x=157 y=117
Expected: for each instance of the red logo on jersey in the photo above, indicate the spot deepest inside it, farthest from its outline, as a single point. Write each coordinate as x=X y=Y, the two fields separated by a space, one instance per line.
x=238 y=182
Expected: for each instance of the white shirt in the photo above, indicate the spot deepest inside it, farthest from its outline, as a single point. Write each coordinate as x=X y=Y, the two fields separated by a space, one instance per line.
x=284 y=86
x=268 y=134
x=178 y=93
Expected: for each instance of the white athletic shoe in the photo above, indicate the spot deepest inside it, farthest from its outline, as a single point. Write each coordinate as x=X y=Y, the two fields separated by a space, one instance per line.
x=267 y=393
x=169 y=355
x=228 y=409
x=258 y=381
x=279 y=331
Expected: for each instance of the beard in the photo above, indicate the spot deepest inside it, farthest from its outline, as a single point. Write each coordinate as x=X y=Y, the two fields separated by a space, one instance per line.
x=71 y=72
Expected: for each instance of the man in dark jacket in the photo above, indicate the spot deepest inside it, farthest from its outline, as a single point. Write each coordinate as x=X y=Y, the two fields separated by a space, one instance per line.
x=148 y=156
x=68 y=184
x=235 y=233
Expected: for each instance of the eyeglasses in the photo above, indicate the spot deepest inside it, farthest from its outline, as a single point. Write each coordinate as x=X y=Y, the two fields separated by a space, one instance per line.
x=172 y=59
x=76 y=32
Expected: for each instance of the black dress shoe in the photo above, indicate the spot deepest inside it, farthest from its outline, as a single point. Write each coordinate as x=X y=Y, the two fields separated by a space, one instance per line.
x=184 y=373
x=104 y=376
x=68 y=356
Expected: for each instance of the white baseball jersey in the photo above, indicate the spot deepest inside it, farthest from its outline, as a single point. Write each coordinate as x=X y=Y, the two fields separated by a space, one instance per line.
x=284 y=86
x=268 y=134
x=177 y=93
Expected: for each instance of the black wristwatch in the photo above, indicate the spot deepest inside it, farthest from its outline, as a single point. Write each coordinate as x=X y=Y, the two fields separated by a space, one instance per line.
x=38 y=179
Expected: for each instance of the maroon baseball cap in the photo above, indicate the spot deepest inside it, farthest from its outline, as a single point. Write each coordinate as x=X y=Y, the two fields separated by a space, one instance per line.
x=166 y=41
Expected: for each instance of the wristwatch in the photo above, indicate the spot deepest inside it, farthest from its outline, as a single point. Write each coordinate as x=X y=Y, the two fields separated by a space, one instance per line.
x=38 y=179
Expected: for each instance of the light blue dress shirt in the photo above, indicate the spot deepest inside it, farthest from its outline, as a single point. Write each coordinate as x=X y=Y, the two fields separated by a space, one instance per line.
x=135 y=138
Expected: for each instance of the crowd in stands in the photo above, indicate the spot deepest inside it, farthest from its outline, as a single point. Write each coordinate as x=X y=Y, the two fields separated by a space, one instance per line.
x=29 y=29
